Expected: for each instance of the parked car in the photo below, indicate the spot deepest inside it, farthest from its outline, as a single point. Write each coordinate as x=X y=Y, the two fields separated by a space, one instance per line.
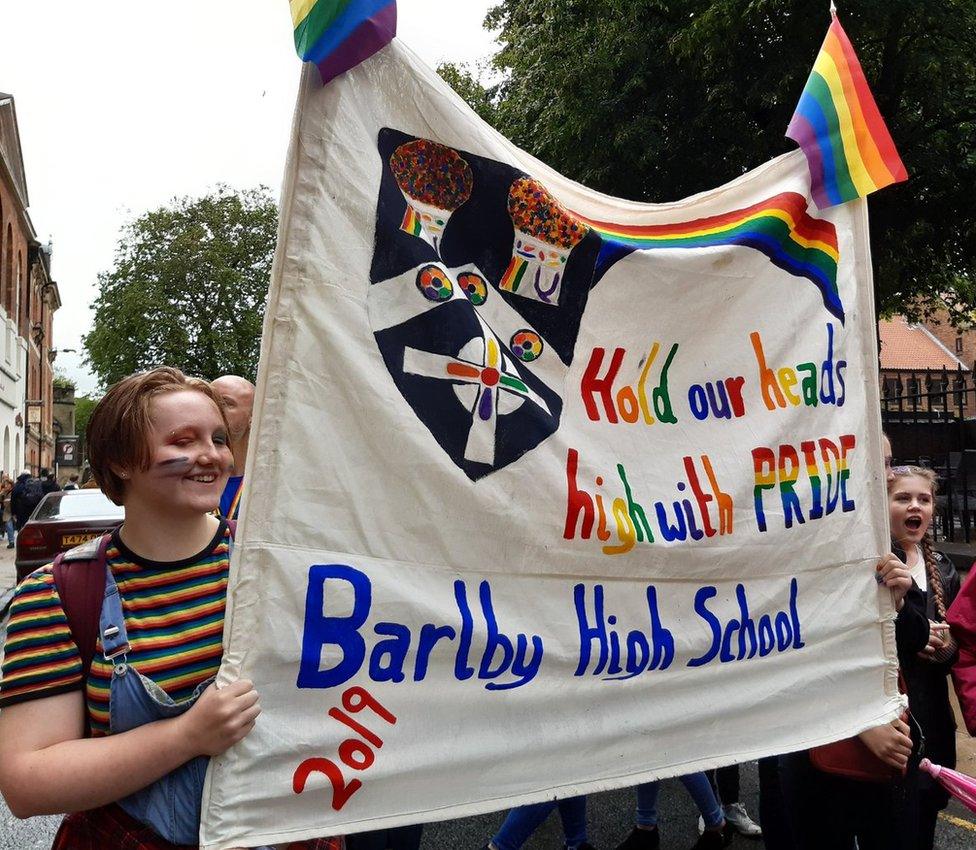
x=61 y=521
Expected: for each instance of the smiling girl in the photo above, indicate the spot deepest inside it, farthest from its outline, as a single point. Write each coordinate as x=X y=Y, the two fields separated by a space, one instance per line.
x=911 y=503
x=125 y=743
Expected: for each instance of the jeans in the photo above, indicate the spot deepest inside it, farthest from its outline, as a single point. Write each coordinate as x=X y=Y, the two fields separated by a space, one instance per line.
x=520 y=823
x=701 y=792
x=10 y=531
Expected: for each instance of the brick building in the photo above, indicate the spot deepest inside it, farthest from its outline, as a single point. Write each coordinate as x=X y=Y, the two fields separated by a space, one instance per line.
x=28 y=298
x=960 y=340
x=918 y=368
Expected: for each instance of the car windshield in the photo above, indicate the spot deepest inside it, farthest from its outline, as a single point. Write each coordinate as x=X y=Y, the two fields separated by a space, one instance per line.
x=78 y=505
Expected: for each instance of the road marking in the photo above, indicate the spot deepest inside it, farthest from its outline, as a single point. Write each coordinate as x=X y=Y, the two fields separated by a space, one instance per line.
x=965 y=824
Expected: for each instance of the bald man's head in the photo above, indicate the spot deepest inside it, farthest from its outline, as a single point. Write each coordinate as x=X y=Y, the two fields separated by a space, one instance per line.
x=237 y=394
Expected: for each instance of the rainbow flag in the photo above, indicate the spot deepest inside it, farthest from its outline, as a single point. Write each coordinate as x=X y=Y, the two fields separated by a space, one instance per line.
x=779 y=227
x=837 y=124
x=339 y=34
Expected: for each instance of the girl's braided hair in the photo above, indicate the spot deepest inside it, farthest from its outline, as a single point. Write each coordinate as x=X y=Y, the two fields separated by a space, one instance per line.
x=934 y=575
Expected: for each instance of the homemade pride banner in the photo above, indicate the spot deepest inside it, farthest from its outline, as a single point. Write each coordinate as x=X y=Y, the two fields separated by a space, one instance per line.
x=550 y=492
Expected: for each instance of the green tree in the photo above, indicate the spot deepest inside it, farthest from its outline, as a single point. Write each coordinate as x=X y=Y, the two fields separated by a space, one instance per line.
x=84 y=405
x=480 y=98
x=655 y=100
x=188 y=288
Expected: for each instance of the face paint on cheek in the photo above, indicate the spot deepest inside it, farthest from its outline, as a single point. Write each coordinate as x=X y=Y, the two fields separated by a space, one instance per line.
x=175 y=466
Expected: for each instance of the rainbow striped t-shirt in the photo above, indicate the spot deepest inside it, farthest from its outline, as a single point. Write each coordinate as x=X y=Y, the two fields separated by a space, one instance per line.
x=174 y=616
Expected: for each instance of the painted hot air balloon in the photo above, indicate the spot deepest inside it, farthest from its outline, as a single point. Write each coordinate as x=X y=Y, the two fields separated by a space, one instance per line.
x=545 y=235
x=435 y=180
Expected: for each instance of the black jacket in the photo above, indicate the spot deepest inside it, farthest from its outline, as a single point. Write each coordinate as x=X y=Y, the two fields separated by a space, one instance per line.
x=928 y=681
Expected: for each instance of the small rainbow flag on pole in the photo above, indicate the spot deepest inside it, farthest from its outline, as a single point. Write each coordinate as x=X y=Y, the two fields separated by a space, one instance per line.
x=837 y=124
x=339 y=34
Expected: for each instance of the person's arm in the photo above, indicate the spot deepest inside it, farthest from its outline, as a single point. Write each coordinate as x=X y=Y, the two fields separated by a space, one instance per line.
x=47 y=767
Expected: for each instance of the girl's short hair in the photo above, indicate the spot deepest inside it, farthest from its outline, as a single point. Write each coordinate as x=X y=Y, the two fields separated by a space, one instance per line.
x=118 y=430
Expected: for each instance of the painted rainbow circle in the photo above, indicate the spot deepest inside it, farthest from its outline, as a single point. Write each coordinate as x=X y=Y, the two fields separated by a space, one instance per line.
x=434 y=283
x=526 y=345
x=474 y=286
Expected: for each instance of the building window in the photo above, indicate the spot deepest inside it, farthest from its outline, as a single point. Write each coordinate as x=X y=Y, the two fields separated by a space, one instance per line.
x=959 y=344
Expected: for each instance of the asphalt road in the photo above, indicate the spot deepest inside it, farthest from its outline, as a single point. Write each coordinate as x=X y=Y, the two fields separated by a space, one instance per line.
x=609 y=816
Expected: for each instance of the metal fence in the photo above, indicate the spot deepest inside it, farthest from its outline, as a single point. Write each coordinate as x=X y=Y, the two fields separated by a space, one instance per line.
x=930 y=417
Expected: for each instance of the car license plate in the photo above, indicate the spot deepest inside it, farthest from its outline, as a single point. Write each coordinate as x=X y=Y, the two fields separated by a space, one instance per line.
x=77 y=539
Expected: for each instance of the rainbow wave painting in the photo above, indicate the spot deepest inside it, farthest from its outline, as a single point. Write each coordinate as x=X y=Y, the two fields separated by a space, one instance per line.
x=848 y=148
x=337 y=35
x=779 y=227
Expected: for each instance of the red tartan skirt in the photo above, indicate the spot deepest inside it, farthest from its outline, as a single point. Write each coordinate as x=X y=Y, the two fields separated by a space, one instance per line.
x=110 y=828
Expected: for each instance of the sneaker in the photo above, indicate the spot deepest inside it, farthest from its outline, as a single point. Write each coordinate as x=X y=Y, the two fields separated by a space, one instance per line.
x=712 y=839
x=641 y=839
x=737 y=815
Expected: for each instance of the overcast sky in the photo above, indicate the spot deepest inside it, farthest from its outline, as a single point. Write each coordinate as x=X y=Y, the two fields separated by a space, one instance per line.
x=124 y=105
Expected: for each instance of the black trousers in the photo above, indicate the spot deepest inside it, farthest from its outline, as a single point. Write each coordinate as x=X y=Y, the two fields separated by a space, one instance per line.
x=399 y=838
x=725 y=781
x=829 y=812
x=774 y=816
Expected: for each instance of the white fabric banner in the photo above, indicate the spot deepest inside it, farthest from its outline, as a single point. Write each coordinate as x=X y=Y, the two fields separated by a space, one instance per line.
x=549 y=492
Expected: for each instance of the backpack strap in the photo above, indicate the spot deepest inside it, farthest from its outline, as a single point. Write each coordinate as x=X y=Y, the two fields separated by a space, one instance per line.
x=79 y=576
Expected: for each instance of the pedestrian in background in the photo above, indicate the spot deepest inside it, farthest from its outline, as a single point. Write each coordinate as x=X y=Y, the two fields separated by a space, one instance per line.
x=48 y=484
x=6 y=492
x=26 y=496
x=237 y=395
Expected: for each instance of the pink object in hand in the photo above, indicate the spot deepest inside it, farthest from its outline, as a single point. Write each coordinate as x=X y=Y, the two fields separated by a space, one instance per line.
x=962 y=787
x=961 y=617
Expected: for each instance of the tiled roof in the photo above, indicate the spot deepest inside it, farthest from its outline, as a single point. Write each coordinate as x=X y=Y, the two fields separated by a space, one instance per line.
x=906 y=346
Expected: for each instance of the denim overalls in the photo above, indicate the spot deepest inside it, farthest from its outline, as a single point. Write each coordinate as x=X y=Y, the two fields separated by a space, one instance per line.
x=171 y=805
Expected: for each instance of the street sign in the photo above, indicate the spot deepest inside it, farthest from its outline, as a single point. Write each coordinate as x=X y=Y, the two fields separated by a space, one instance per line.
x=66 y=451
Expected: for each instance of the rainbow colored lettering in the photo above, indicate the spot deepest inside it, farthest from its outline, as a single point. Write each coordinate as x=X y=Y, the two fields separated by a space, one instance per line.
x=783 y=468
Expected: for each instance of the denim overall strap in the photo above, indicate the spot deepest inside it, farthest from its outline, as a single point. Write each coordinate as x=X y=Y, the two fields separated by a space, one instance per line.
x=111 y=622
x=171 y=804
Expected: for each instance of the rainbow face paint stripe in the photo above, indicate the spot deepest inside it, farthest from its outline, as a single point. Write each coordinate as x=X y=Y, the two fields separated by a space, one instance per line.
x=837 y=124
x=337 y=35
x=779 y=227
x=175 y=465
